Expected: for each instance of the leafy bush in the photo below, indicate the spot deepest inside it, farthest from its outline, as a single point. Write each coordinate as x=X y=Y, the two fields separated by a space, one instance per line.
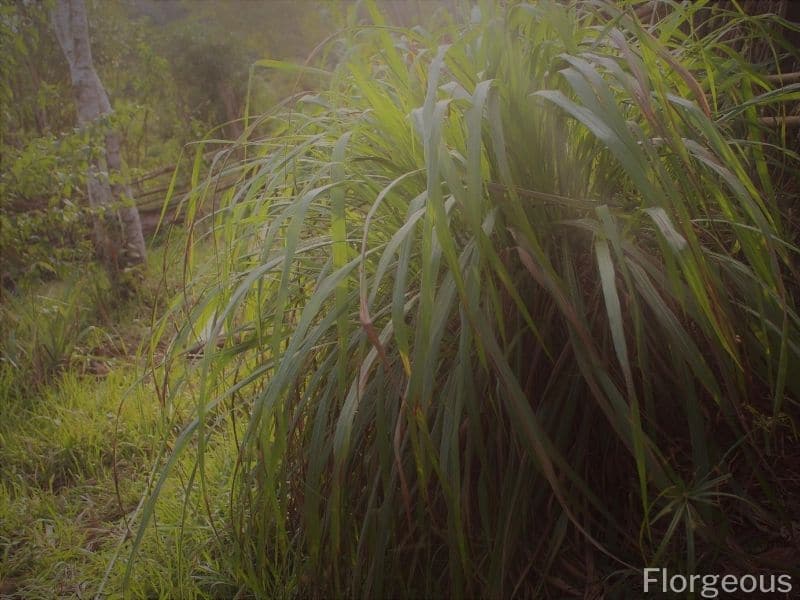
x=42 y=228
x=500 y=312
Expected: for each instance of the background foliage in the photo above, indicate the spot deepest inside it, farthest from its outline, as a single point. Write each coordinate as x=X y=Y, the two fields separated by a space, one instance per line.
x=173 y=70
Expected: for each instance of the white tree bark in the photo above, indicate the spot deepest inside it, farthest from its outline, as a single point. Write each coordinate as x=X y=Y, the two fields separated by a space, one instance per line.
x=117 y=228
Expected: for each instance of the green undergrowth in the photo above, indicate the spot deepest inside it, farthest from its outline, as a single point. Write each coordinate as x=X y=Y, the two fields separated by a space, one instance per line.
x=81 y=425
x=76 y=461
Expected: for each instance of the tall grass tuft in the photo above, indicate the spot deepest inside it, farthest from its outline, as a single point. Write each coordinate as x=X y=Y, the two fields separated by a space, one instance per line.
x=506 y=310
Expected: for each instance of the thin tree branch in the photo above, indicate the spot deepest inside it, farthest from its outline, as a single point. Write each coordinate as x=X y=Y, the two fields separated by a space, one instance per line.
x=784 y=77
x=788 y=121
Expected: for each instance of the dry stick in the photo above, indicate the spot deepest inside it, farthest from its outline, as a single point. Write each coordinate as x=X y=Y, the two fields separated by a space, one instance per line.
x=153 y=174
x=784 y=77
x=226 y=185
x=160 y=190
x=164 y=170
x=788 y=121
x=177 y=197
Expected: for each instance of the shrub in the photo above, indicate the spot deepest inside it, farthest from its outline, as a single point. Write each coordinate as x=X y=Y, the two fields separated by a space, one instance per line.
x=42 y=228
x=502 y=308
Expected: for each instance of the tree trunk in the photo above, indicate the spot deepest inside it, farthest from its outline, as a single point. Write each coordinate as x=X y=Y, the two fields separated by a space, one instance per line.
x=118 y=235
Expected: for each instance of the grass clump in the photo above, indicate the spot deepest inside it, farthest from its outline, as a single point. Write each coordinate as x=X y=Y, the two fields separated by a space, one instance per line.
x=511 y=314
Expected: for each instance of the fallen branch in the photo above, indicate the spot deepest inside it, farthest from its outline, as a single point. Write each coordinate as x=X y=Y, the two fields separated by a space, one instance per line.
x=788 y=121
x=153 y=174
x=784 y=77
x=167 y=169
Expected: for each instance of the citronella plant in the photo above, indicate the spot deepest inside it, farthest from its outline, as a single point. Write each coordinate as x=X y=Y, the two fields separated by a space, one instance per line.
x=507 y=308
